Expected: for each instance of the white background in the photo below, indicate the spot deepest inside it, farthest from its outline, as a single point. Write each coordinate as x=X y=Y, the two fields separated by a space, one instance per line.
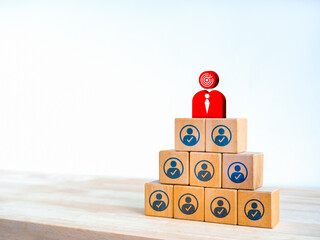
x=93 y=87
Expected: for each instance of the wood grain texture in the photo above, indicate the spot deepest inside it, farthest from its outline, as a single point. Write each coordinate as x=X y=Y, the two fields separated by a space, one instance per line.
x=195 y=140
x=170 y=164
x=246 y=167
x=158 y=199
x=202 y=175
x=237 y=139
x=50 y=207
x=259 y=208
x=188 y=203
x=213 y=211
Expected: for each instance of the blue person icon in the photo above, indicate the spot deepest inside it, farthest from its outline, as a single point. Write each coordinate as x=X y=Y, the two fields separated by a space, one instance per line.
x=254 y=209
x=220 y=211
x=221 y=135
x=188 y=208
x=204 y=174
x=237 y=172
x=221 y=139
x=254 y=213
x=189 y=139
x=158 y=204
x=173 y=172
x=237 y=176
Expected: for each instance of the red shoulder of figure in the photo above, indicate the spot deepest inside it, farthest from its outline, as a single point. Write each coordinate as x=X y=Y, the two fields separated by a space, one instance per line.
x=209 y=79
x=198 y=107
x=217 y=108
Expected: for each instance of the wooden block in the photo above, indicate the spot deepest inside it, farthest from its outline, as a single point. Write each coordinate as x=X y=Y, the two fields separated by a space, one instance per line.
x=226 y=135
x=242 y=171
x=221 y=206
x=190 y=134
x=188 y=203
x=158 y=200
x=259 y=208
x=174 y=167
x=205 y=169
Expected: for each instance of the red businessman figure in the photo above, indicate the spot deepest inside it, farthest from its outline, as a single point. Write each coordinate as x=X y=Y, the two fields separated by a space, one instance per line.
x=207 y=104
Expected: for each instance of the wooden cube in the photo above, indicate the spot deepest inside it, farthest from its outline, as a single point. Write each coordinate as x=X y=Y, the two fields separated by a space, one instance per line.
x=174 y=167
x=259 y=208
x=205 y=169
x=188 y=203
x=158 y=200
x=221 y=206
x=226 y=135
x=190 y=134
x=242 y=171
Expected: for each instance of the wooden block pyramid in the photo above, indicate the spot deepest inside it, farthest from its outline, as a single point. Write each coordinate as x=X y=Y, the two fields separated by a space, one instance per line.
x=210 y=177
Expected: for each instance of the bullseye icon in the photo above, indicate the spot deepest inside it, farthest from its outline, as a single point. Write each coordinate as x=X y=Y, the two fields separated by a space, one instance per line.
x=209 y=79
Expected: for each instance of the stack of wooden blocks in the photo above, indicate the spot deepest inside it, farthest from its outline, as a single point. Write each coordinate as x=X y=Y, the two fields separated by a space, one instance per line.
x=210 y=176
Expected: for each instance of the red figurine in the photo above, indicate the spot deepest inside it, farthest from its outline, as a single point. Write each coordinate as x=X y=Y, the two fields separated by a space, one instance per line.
x=209 y=104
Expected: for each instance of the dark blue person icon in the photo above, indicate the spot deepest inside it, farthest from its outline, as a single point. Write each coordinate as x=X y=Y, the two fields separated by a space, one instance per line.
x=221 y=135
x=237 y=172
x=189 y=135
x=173 y=172
x=220 y=207
x=220 y=211
x=188 y=208
x=237 y=176
x=173 y=168
x=204 y=170
x=254 y=209
x=159 y=200
x=159 y=205
x=188 y=204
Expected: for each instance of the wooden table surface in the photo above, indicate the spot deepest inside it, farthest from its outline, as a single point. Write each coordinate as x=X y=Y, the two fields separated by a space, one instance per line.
x=38 y=206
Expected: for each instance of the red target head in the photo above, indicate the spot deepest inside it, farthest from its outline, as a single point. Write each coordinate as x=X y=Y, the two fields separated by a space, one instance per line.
x=208 y=79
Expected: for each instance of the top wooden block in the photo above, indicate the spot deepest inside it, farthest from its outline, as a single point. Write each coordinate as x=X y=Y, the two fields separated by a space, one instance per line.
x=190 y=134
x=226 y=135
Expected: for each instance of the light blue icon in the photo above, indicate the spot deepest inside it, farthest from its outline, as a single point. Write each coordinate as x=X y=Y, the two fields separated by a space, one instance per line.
x=173 y=168
x=221 y=135
x=159 y=200
x=188 y=204
x=220 y=207
x=189 y=135
x=254 y=209
x=237 y=172
x=204 y=170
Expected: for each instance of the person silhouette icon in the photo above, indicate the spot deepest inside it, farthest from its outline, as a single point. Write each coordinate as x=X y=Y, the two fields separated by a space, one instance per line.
x=188 y=208
x=220 y=212
x=221 y=139
x=189 y=139
x=173 y=172
x=204 y=174
x=237 y=176
x=159 y=205
x=207 y=104
x=254 y=213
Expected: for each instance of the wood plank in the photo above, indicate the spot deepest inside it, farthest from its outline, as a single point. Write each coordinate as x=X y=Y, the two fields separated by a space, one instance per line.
x=38 y=206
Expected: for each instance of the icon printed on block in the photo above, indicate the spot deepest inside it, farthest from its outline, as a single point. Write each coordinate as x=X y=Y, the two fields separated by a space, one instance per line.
x=189 y=135
x=254 y=209
x=188 y=204
x=204 y=170
x=221 y=135
x=237 y=172
x=159 y=200
x=173 y=168
x=220 y=207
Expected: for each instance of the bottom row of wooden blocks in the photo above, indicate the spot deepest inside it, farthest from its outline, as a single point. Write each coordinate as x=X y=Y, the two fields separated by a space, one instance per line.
x=259 y=208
